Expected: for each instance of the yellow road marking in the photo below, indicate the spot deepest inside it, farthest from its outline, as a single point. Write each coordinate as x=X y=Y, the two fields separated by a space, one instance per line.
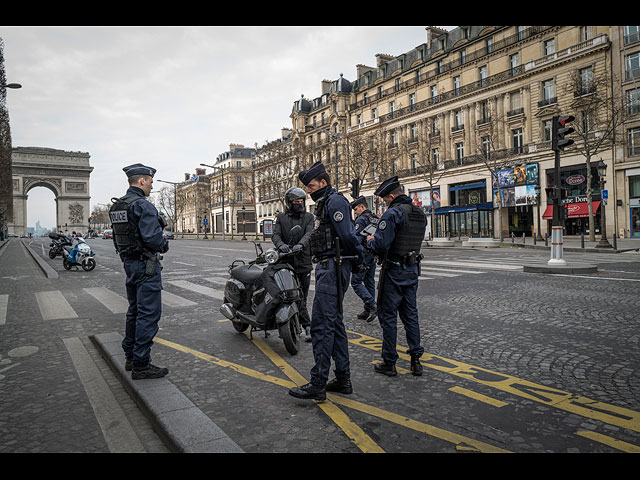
x=478 y=396
x=619 y=416
x=460 y=441
x=612 y=442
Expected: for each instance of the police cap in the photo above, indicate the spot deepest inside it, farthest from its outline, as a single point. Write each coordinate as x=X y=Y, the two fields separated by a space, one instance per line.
x=306 y=176
x=139 y=169
x=387 y=187
x=358 y=201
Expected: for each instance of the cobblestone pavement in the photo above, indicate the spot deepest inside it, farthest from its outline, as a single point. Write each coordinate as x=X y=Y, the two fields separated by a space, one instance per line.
x=514 y=361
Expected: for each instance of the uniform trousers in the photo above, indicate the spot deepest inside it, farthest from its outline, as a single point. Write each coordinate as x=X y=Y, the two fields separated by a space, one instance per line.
x=328 y=333
x=144 y=293
x=364 y=284
x=398 y=298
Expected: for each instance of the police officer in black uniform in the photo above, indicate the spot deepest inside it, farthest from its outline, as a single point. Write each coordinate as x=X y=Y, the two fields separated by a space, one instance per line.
x=397 y=242
x=299 y=243
x=138 y=239
x=333 y=228
x=364 y=284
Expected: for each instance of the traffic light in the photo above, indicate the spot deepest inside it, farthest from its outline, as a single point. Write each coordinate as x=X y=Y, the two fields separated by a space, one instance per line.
x=560 y=129
x=355 y=188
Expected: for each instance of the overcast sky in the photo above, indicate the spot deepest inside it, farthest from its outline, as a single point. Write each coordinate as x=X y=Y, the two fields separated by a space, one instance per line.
x=170 y=97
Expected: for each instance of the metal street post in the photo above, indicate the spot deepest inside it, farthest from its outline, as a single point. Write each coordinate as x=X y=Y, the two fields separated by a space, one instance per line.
x=223 y=222
x=558 y=143
x=604 y=242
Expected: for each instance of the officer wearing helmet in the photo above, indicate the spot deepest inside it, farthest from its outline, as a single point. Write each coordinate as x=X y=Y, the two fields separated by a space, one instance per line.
x=397 y=243
x=138 y=239
x=332 y=238
x=298 y=242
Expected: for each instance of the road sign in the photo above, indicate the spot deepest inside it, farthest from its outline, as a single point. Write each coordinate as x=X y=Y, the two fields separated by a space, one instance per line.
x=605 y=193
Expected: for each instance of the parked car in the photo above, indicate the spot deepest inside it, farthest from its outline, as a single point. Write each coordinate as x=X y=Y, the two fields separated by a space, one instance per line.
x=168 y=234
x=108 y=234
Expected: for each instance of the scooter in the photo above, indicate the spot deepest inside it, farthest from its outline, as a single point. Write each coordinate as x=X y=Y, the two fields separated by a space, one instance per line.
x=58 y=242
x=266 y=298
x=81 y=254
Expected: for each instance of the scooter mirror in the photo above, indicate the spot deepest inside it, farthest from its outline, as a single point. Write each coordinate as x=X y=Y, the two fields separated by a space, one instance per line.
x=295 y=229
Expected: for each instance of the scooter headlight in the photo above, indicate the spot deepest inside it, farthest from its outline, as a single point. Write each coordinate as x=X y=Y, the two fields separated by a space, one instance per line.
x=271 y=256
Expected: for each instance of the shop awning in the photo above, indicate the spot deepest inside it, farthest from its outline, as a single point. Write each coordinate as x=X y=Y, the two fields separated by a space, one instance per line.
x=573 y=210
x=464 y=208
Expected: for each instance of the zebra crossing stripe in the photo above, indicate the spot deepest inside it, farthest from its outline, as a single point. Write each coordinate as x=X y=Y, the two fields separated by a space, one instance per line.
x=114 y=302
x=54 y=306
x=472 y=264
x=209 y=292
x=171 y=300
x=4 y=301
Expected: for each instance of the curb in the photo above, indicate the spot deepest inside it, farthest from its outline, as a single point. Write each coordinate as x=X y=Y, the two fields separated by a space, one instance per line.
x=182 y=425
x=44 y=266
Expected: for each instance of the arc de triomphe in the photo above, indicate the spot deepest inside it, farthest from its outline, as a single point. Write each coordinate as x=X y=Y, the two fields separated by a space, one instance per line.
x=66 y=174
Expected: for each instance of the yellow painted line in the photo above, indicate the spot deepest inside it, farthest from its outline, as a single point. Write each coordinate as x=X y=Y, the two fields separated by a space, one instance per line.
x=478 y=396
x=586 y=407
x=612 y=442
x=460 y=441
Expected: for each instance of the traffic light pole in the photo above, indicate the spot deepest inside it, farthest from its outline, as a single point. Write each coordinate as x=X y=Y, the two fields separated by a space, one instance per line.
x=558 y=220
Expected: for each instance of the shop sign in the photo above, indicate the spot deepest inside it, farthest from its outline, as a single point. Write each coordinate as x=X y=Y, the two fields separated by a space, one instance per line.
x=575 y=179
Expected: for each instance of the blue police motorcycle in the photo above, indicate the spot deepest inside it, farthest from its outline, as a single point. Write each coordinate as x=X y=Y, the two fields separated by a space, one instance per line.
x=80 y=255
x=265 y=298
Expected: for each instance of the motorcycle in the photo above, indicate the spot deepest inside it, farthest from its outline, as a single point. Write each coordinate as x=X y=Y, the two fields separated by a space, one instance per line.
x=266 y=298
x=80 y=255
x=58 y=242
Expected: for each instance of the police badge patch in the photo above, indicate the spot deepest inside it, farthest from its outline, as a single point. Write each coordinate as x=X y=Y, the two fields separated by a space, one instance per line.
x=382 y=225
x=338 y=216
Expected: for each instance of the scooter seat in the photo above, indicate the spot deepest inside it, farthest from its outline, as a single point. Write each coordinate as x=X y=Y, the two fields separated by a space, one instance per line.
x=246 y=274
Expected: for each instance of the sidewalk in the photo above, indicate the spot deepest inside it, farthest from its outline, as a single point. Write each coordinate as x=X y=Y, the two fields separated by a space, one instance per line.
x=575 y=244
x=63 y=387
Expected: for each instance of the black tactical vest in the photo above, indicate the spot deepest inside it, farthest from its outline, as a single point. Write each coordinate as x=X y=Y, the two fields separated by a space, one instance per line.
x=125 y=232
x=410 y=234
x=323 y=236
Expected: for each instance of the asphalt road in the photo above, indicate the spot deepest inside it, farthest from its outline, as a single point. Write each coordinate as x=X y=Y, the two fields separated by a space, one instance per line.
x=514 y=362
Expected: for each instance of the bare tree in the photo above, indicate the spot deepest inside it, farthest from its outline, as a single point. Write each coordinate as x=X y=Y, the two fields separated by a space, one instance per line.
x=164 y=200
x=598 y=112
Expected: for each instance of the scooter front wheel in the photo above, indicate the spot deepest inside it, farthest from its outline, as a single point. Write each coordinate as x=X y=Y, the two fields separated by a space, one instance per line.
x=289 y=334
x=89 y=265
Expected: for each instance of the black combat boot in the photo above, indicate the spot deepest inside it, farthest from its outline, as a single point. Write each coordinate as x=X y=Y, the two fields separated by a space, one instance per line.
x=128 y=365
x=416 y=367
x=150 y=371
x=386 y=369
x=309 y=392
x=340 y=385
x=364 y=314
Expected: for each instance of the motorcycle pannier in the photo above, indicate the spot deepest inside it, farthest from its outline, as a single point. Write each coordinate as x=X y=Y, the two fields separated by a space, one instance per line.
x=235 y=292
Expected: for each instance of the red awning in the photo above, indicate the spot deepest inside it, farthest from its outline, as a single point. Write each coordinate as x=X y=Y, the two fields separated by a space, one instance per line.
x=573 y=210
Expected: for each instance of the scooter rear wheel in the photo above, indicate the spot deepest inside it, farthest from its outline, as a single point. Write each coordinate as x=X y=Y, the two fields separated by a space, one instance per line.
x=52 y=253
x=66 y=263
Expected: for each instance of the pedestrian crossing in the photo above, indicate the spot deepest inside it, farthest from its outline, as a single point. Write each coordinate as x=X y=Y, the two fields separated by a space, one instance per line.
x=208 y=285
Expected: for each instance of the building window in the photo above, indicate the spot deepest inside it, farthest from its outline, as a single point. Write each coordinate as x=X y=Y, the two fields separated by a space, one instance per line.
x=547 y=125
x=633 y=101
x=456 y=85
x=549 y=47
x=459 y=152
x=586 y=81
x=634 y=141
x=482 y=73
x=516 y=138
x=631 y=34
x=632 y=66
x=514 y=63
x=548 y=92
x=412 y=102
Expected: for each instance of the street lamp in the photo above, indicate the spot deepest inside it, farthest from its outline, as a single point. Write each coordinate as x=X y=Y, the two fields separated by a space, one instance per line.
x=244 y=224
x=539 y=237
x=223 y=222
x=604 y=243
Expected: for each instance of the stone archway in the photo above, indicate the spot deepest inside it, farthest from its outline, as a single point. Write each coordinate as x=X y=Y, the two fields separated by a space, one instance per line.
x=65 y=173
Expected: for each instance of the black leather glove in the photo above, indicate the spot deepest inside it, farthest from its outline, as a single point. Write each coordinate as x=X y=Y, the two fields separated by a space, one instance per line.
x=284 y=248
x=360 y=268
x=297 y=248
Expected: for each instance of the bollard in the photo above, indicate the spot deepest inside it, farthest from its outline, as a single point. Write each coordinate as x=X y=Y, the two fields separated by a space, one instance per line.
x=534 y=238
x=582 y=240
x=546 y=239
x=615 y=241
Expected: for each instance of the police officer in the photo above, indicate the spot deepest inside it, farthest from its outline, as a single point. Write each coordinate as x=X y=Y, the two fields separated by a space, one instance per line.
x=364 y=284
x=138 y=239
x=299 y=243
x=397 y=242
x=328 y=334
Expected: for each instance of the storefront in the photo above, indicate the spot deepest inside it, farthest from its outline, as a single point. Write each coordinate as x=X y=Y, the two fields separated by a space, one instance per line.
x=469 y=215
x=574 y=199
x=634 y=202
